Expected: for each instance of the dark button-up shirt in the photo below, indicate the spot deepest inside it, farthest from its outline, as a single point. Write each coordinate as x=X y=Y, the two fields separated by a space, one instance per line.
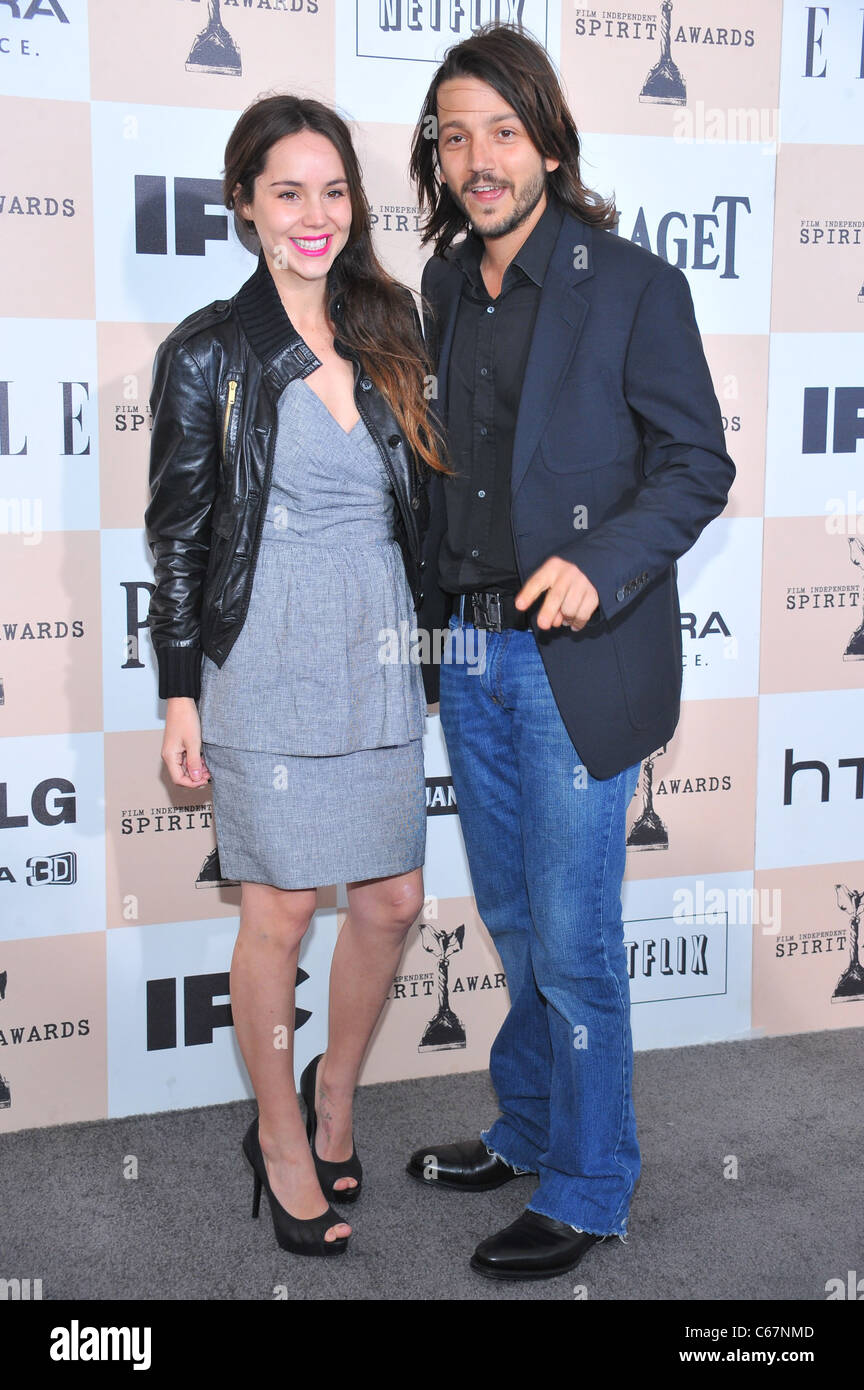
x=484 y=383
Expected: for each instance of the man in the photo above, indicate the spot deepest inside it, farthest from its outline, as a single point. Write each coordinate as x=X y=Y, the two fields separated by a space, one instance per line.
x=588 y=455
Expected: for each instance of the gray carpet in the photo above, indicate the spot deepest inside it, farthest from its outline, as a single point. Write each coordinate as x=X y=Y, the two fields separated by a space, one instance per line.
x=788 y=1109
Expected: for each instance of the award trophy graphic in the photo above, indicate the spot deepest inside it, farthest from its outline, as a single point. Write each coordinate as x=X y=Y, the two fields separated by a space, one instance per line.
x=648 y=830
x=214 y=50
x=855 y=646
x=5 y=1093
x=665 y=84
x=211 y=873
x=850 y=986
x=445 y=1030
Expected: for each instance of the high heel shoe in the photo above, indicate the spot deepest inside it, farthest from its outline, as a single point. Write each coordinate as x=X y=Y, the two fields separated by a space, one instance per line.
x=300 y=1237
x=328 y=1172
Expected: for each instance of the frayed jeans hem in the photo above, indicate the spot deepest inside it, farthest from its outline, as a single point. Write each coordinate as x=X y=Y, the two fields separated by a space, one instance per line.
x=586 y=1230
x=496 y=1153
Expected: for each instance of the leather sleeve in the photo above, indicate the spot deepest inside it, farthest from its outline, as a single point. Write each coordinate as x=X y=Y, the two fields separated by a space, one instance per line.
x=184 y=463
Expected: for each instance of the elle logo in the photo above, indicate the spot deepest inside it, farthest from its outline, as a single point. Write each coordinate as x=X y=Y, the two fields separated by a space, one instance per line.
x=815 y=44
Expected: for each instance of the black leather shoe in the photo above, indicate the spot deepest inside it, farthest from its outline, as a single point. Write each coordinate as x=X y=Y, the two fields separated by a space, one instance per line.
x=534 y=1247
x=468 y=1166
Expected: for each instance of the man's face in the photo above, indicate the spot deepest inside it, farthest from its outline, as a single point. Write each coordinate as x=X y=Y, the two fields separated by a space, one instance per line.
x=493 y=171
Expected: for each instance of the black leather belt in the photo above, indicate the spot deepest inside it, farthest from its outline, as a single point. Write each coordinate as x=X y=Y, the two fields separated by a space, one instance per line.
x=490 y=609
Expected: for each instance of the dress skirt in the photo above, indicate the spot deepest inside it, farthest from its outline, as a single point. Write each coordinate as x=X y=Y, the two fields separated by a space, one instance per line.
x=299 y=822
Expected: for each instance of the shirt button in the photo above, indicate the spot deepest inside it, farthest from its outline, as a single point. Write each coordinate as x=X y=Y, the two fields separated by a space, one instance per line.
x=490 y=308
x=394 y=440
x=481 y=493
x=422 y=564
x=475 y=553
x=483 y=430
x=483 y=371
x=365 y=384
x=415 y=502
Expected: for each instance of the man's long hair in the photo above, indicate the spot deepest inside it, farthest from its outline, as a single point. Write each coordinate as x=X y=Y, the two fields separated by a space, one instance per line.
x=519 y=69
x=376 y=316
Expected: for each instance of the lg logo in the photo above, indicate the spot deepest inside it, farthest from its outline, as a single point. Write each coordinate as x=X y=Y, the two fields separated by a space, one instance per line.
x=52 y=803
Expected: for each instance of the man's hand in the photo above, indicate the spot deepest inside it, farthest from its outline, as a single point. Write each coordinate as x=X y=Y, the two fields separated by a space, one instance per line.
x=571 y=599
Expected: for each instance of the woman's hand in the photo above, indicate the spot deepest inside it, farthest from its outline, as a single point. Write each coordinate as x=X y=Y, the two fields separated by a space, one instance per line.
x=181 y=746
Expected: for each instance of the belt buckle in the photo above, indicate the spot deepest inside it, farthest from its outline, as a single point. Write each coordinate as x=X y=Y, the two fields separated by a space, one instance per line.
x=494 y=610
x=487 y=610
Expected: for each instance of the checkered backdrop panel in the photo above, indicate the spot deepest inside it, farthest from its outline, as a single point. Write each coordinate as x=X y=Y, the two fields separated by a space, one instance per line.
x=727 y=133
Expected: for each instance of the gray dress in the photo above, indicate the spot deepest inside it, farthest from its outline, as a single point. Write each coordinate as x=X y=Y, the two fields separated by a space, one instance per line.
x=312 y=728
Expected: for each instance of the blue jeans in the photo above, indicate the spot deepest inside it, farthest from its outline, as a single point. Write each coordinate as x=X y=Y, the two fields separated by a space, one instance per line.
x=546 y=849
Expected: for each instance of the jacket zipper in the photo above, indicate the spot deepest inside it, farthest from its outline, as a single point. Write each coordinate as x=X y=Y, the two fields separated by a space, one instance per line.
x=262 y=508
x=229 y=406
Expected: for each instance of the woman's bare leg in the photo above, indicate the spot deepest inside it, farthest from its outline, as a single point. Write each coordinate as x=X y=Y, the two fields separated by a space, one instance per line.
x=380 y=913
x=273 y=922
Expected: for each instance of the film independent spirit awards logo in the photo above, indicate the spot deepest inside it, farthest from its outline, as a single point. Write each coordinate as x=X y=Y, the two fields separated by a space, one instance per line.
x=445 y=1030
x=849 y=988
x=19 y=1034
x=665 y=83
x=215 y=50
x=825 y=598
x=649 y=831
x=5 y=1092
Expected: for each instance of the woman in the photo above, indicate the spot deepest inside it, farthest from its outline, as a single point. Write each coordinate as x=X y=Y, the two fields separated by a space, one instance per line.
x=290 y=443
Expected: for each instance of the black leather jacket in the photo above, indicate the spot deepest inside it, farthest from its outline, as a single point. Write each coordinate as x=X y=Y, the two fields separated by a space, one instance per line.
x=217 y=378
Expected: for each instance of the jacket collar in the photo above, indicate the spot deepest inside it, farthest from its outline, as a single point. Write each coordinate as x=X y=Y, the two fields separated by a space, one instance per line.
x=272 y=336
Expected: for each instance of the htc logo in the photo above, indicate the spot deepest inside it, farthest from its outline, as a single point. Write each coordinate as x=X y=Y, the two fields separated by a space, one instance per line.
x=793 y=769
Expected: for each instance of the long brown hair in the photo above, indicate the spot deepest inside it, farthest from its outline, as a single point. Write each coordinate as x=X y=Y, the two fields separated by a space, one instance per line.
x=519 y=69
x=373 y=313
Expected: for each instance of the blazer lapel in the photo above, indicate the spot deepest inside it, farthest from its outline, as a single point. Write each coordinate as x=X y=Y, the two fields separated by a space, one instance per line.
x=558 y=326
x=447 y=306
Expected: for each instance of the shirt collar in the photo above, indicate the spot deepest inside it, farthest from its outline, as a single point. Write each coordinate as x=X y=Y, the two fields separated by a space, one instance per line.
x=533 y=256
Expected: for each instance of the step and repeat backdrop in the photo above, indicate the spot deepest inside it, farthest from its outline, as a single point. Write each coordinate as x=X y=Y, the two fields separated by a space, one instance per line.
x=730 y=133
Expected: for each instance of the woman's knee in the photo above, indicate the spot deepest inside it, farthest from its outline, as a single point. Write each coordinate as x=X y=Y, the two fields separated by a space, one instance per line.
x=279 y=917
x=393 y=904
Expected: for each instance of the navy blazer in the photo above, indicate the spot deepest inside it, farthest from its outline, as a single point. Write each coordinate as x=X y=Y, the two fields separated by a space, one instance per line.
x=619 y=462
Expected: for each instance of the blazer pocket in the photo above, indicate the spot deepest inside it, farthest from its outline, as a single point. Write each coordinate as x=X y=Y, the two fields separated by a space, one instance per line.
x=583 y=431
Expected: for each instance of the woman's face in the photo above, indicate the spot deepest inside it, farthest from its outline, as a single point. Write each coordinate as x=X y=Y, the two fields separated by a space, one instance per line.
x=301 y=208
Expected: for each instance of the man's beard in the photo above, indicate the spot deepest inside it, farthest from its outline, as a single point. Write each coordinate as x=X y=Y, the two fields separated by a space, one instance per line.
x=523 y=207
